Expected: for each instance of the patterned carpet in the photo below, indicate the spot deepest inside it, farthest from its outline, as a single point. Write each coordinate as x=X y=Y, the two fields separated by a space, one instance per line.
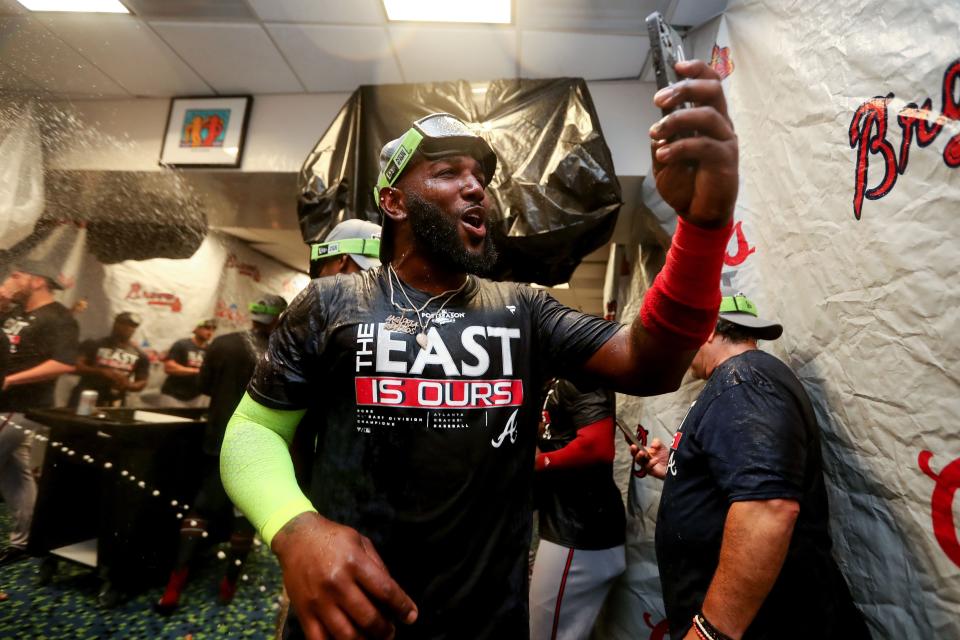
x=67 y=607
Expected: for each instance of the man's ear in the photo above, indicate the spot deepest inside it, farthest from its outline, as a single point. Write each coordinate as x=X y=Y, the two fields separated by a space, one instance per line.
x=393 y=203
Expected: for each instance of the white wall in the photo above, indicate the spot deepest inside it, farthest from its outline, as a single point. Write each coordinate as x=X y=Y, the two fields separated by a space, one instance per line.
x=126 y=135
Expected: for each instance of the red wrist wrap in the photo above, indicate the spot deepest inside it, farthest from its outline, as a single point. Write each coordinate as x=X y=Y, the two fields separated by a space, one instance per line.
x=682 y=304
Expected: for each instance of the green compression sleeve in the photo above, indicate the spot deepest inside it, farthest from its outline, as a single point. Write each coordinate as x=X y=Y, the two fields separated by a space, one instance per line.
x=256 y=468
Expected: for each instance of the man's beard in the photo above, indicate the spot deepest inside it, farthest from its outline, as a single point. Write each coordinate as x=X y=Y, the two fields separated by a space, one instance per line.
x=437 y=235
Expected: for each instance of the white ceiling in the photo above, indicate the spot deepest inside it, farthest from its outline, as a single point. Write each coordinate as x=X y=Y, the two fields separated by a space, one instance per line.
x=208 y=47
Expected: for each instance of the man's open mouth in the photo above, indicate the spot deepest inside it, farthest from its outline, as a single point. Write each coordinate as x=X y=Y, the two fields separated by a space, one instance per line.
x=474 y=220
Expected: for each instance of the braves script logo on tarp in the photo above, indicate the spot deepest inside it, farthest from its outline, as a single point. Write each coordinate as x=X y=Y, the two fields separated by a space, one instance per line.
x=155 y=298
x=721 y=62
x=868 y=135
x=243 y=268
x=941 y=504
x=744 y=250
x=660 y=629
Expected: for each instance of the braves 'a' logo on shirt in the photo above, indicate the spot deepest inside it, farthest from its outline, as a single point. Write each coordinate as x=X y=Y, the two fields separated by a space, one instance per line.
x=677 y=437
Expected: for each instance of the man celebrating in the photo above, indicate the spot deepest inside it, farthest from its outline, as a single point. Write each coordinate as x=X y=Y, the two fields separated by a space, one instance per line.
x=427 y=375
x=743 y=541
x=182 y=366
x=113 y=365
x=43 y=346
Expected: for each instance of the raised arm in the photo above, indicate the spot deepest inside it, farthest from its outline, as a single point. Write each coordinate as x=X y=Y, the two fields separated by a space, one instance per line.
x=696 y=175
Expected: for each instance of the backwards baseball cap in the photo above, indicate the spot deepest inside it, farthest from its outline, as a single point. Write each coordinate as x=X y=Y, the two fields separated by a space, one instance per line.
x=128 y=317
x=738 y=309
x=267 y=308
x=210 y=323
x=41 y=269
x=359 y=239
x=435 y=136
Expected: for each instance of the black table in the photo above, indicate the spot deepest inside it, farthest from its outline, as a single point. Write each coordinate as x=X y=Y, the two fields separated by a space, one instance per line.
x=85 y=489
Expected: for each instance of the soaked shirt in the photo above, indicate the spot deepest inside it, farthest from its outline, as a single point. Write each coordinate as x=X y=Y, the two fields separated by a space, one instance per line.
x=49 y=332
x=751 y=435
x=581 y=507
x=184 y=352
x=429 y=452
x=105 y=352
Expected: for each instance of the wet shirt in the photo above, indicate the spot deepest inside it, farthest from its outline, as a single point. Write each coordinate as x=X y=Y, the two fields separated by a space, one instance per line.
x=226 y=370
x=429 y=452
x=580 y=507
x=46 y=333
x=184 y=352
x=105 y=352
x=751 y=435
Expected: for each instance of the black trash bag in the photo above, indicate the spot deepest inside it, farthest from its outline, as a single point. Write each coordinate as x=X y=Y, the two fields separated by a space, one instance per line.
x=555 y=195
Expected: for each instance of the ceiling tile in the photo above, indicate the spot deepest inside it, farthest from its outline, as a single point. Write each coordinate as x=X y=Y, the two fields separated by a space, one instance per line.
x=324 y=11
x=130 y=52
x=232 y=57
x=430 y=54
x=585 y=55
x=28 y=48
x=620 y=16
x=10 y=80
x=222 y=9
x=337 y=58
x=693 y=13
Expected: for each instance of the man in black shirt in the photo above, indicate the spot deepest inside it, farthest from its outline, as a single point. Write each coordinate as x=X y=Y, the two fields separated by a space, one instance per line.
x=582 y=523
x=182 y=366
x=224 y=375
x=426 y=378
x=113 y=365
x=43 y=346
x=743 y=541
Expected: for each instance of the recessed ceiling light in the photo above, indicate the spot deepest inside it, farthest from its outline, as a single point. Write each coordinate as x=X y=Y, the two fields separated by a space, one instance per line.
x=487 y=11
x=76 y=6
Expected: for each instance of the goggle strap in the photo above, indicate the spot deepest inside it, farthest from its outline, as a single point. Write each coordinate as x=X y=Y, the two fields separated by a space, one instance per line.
x=359 y=246
x=398 y=161
x=738 y=304
x=256 y=307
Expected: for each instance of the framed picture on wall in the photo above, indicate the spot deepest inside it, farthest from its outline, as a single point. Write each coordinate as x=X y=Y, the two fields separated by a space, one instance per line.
x=206 y=131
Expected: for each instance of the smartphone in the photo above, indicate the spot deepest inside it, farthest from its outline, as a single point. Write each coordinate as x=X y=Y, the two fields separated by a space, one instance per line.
x=631 y=436
x=666 y=47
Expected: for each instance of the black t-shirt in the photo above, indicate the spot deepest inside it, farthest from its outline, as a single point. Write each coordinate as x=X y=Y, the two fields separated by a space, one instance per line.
x=105 y=352
x=429 y=452
x=579 y=507
x=751 y=435
x=46 y=333
x=186 y=353
x=227 y=368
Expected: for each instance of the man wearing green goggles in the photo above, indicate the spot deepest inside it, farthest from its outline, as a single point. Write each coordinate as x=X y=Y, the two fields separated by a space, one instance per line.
x=422 y=380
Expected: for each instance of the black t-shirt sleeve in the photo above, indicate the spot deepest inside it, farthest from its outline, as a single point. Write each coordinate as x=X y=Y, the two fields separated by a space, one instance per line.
x=178 y=352
x=585 y=407
x=141 y=370
x=755 y=442
x=210 y=362
x=64 y=336
x=566 y=338
x=282 y=378
x=88 y=349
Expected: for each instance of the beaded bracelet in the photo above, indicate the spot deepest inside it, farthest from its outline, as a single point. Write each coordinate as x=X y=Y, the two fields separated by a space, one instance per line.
x=705 y=630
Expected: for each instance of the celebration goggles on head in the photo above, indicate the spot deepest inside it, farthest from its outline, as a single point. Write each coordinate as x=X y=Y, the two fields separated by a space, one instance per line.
x=438 y=135
x=261 y=308
x=738 y=304
x=369 y=247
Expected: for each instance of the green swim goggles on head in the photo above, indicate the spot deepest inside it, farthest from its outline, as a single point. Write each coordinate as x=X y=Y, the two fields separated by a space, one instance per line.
x=257 y=307
x=435 y=136
x=358 y=246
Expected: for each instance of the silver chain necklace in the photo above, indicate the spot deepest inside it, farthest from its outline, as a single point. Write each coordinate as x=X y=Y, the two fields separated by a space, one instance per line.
x=422 y=339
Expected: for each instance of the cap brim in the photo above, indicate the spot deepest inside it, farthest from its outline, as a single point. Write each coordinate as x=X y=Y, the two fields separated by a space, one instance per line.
x=761 y=328
x=364 y=262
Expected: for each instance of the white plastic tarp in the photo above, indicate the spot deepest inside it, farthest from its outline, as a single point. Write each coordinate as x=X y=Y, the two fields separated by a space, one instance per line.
x=21 y=173
x=848 y=116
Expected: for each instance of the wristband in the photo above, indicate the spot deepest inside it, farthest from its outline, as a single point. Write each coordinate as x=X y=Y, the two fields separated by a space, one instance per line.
x=705 y=630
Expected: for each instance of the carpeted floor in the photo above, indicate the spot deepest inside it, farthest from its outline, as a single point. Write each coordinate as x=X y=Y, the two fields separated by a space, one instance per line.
x=67 y=607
